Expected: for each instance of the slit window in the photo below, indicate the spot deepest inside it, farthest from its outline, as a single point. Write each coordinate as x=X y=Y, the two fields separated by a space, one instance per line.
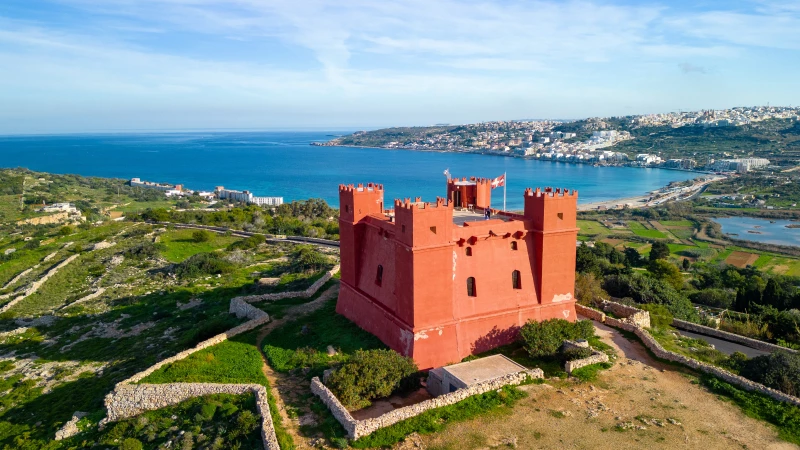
x=346 y=208
x=403 y=228
x=379 y=275
x=561 y=216
x=469 y=251
x=516 y=282
x=471 y=287
x=513 y=245
x=433 y=229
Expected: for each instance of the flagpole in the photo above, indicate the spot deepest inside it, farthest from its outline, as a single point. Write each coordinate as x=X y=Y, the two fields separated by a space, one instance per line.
x=505 y=184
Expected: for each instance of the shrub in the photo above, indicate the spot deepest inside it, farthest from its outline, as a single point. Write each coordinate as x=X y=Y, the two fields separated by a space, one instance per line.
x=201 y=236
x=142 y=251
x=545 y=338
x=660 y=316
x=66 y=230
x=778 y=370
x=572 y=353
x=372 y=374
x=131 y=444
x=203 y=264
x=250 y=243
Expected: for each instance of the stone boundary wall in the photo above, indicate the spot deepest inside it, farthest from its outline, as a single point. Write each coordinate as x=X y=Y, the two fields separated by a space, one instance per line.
x=596 y=358
x=359 y=428
x=22 y=274
x=749 y=342
x=629 y=314
x=281 y=295
x=590 y=313
x=38 y=283
x=130 y=400
x=247 y=326
x=653 y=345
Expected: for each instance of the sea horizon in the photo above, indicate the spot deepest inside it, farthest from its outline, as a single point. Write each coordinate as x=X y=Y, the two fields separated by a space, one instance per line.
x=284 y=164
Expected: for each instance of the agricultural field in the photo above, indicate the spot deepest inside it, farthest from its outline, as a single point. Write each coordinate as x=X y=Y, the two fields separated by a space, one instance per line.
x=640 y=230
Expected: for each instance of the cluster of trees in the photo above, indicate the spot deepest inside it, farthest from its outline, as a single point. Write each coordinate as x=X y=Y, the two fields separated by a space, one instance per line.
x=543 y=339
x=311 y=218
x=771 y=302
x=605 y=271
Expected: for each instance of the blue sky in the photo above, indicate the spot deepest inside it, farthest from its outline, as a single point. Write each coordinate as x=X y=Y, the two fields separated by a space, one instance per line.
x=110 y=65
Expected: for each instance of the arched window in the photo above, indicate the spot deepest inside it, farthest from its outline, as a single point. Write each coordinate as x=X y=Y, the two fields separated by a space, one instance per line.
x=379 y=275
x=471 y=287
x=513 y=245
x=516 y=282
x=469 y=251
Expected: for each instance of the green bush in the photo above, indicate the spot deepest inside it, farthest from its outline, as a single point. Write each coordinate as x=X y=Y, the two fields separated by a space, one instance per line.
x=203 y=264
x=201 y=236
x=372 y=374
x=249 y=243
x=144 y=250
x=545 y=338
x=131 y=444
x=572 y=353
x=778 y=370
x=66 y=230
x=660 y=316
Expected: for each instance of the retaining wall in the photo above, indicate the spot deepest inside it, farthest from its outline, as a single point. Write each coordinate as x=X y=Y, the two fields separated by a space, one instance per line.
x=708 y=331
x=650 y=342
x=629 y=314
x=38 y=283
x=359 y=428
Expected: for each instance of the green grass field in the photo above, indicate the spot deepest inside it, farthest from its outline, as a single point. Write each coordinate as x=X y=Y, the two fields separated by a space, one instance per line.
x=236 y=360
x=179 y=245
x=592 y=228
x=640 y=230
x=676 y=223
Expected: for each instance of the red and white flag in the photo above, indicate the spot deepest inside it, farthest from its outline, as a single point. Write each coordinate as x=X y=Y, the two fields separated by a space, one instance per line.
x=499 y=181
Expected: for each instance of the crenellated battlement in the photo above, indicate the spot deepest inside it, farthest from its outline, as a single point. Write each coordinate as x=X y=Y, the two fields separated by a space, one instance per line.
x=370 y=187
x=550 y=192
x=418 y=204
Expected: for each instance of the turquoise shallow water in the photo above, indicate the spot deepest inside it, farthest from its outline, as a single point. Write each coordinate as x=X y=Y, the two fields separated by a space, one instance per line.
x=761 y=230
x=284 y=164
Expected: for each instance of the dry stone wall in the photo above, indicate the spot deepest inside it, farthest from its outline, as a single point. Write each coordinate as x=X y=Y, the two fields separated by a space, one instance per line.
x=596 y=358
x=590 y=313
x=38 y=283
x=302 y=294
x=629 y=314
x=708 y=331
x=650 y=342
x=359 y=428
x=129 y=399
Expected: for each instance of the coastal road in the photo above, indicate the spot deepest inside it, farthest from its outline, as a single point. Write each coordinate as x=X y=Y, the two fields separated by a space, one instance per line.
x=726 y=347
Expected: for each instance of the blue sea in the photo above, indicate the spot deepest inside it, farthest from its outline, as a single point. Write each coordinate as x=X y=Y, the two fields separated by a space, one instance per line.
x=284 y=164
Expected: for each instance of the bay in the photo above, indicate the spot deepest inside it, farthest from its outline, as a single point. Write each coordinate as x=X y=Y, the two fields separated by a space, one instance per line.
x=770 y=231
x=284 y=164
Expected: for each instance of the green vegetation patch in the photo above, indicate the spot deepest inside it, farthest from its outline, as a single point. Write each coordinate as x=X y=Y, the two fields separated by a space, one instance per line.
x=640 y=230
x=784 y=416
x=181 y=244
x=495 y=402
x=303 y=342
x=236 y=360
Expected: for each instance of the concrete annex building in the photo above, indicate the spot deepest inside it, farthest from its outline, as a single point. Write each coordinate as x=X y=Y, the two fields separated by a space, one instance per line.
x=437 y=282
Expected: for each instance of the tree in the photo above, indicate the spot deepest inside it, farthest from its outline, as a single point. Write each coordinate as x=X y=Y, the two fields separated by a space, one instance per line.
x=686 y=264
x=632 y=257
x=544 y=338
x=659 y=250
x=66 y=230
x=778 y=370
x=307 y=258
x=201 y=236
x=775 y=295
x=588 y=289
x=667 y=272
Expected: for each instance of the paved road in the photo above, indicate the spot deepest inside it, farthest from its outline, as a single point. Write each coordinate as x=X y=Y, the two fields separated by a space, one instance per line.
x=726 y=347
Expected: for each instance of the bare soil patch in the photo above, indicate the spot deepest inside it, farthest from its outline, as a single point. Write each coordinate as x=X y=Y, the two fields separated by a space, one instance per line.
x=741 y=259
x=638 y=403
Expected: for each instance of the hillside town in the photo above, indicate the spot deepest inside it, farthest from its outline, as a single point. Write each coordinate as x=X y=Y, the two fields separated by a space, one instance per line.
x=593 y=142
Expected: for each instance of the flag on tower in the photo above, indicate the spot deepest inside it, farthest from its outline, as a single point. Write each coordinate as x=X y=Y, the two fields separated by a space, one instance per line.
x=499 y=181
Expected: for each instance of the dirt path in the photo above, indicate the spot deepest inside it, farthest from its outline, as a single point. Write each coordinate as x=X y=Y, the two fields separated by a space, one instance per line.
x=285 y=387
x=638 y=403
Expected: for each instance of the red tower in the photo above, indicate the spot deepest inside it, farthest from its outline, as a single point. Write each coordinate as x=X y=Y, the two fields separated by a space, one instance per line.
x=475 y=192
x=439 y=287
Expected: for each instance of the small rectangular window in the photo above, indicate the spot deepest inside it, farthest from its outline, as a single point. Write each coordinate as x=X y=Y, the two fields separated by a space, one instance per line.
x=379 y=275
x=471 y=287
x=433 y=229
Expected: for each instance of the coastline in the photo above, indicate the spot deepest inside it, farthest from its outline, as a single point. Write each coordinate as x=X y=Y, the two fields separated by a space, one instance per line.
x=638 y=201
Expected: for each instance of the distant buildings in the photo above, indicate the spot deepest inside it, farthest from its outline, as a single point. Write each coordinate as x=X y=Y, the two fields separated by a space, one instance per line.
x=739 y=165
x=59 y=207
x=246 y=197
x=686 y=164
x=136 y=182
